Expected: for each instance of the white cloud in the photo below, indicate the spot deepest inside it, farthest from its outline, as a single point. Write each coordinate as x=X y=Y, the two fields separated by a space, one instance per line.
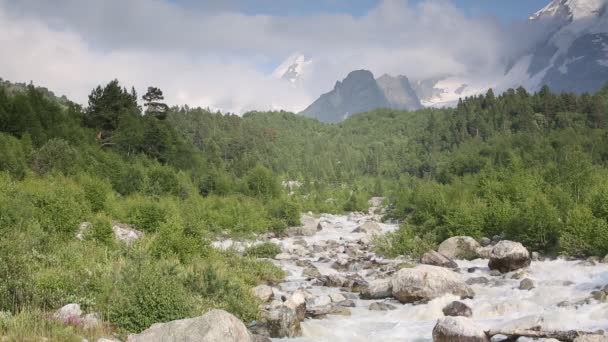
x=212 y=58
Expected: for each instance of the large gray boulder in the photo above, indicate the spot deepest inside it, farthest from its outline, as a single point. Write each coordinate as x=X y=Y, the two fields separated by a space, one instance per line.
x=457 y=308
x=459 y=247
x=426 y=282
x=282 y=321
x=369 y=227
x=508 y=256
x=69 y=313
x=263 y=292
x=458 y=329
x=297 y=302
x=437 y=259
x=125 y=233
x=214 y=326
x=378 y=289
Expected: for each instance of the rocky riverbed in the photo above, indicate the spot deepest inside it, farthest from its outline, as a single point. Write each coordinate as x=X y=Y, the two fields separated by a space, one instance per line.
x=342 y=291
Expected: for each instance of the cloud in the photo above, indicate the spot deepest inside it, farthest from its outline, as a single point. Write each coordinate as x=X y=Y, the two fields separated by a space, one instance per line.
x=212 y=55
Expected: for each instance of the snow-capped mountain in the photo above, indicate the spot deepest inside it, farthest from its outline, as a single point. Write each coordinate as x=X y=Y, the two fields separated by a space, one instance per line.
x=574 y=57
x=293 y=68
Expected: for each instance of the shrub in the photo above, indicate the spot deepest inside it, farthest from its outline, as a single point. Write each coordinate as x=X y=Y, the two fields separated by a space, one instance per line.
x=287 y=210
x=101 y=229
x=404 y=242
x=145 y=213
x=162 y=180
x=584 y=234
x=260 y=182
x=55 y=155
x=96 y=192
x=146 y=295
x=12 y=156
x=263 y=250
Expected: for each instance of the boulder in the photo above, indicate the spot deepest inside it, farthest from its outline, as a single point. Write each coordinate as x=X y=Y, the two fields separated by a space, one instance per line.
x=458 y=329
x=282 y=322
x=378 y=289
x=526 y=284
x=592 y=338
x=297 y=302
x=485 y=252
x=437 y=259
x=69 y=313
x=312 y=271
x=314 y=301
x=379 y=306
x=263 y=293
x=426 y=282
x=337 y=297
x=125 y=233
x=91 y=321
x=215 y=325
x=459 y=247
x=509 y=256
x=484 y=242
x=477 y=281
x=457 y=308
x=369 y=227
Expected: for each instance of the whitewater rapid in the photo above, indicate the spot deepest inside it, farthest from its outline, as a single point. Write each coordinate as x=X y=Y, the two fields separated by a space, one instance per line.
x=498 y=304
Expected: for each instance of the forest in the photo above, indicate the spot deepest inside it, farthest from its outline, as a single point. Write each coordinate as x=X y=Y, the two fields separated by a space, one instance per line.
x=530 y=167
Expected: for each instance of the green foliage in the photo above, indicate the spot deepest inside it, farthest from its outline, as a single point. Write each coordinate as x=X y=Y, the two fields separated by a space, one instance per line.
x=12 y=156
x=146 y=295
x=162 y=181
x=55 y=155
x=404 y=242
x=263 y=250
x=101 y=229
x=261 y=183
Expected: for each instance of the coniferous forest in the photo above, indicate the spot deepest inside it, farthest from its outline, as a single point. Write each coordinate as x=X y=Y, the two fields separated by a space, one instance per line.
x=529 y=167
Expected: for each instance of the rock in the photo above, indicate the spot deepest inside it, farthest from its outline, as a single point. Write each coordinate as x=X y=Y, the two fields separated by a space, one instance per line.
x=457 y=308
x=284 y=256
x=605 y=259
x=496 y=239
x=485 y=242
x=600 y=296
x=459 y=247
x=300 y=242
x=485 y=252
x=259 y=338
x=495 y=273
x=215 y=325
x=263 y=293
x=369 y=227
x=535 y=256
x=83 y=228
x=105 y=339
x=347 y=303
x=337 y=297
x=592 y=338
x=312 y=271
x=282 y=322
x=586 y=263
x=437 y=259
x=380 y=306
x=315 y=301
x=526 y=284
x=91 y=321
x=69 y=313
x=321 y=225
x=477 y=281
x=378 y=289
x=518 y=275
x=509 y=256
x=458 y=329
x=301 y=231
x=125 y=233
x=322 y=311
x=297 y=302
x=425 y=282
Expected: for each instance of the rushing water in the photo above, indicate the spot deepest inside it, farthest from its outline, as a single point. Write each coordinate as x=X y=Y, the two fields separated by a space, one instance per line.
x=495 y=304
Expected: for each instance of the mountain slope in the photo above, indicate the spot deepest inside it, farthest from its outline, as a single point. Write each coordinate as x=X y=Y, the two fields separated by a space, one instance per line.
x=360 y=92
x=575 y=55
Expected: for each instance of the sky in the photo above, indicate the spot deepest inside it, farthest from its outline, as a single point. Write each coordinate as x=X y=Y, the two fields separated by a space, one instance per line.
x=221 y=53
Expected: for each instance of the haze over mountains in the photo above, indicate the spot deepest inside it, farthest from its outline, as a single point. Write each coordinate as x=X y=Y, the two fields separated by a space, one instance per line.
x=572 y=56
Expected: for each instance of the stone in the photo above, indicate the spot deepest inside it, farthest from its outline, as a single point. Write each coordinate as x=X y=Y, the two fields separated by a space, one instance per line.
x=125 y=233
x=380 y=306
x=83 y=228
x=425 y=282
x=215 y=325
x=282 y=322
x=337 y=297
x=297 y=302
x=485 y=252
x=526 y=284
x=477 y=281
x=485 y=242
x=347 y=303
x=91 y=321
x=263 y=292
x=69 y=313
x=592 y=338
x=437 y=259
x=535 y=256
x=586 y=263
x=600 y=296
x=314 y=301
x=458 y=329
x=369 y=227
x=312 y=271
x=378 y=289
x=509 y=256
x=459 y=247
x=457 y=308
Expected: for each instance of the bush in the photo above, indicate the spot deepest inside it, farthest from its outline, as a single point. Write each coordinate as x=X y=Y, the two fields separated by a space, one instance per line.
x=286 y=210
x=101 y=230
x=55 y=155
x=404 y=242
x=260 y=182
x=12 y=156
x=96 y=192
x=145 y=213
x=162 y=180
x=146 y=295
x=584 y=234
x=263 y=250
